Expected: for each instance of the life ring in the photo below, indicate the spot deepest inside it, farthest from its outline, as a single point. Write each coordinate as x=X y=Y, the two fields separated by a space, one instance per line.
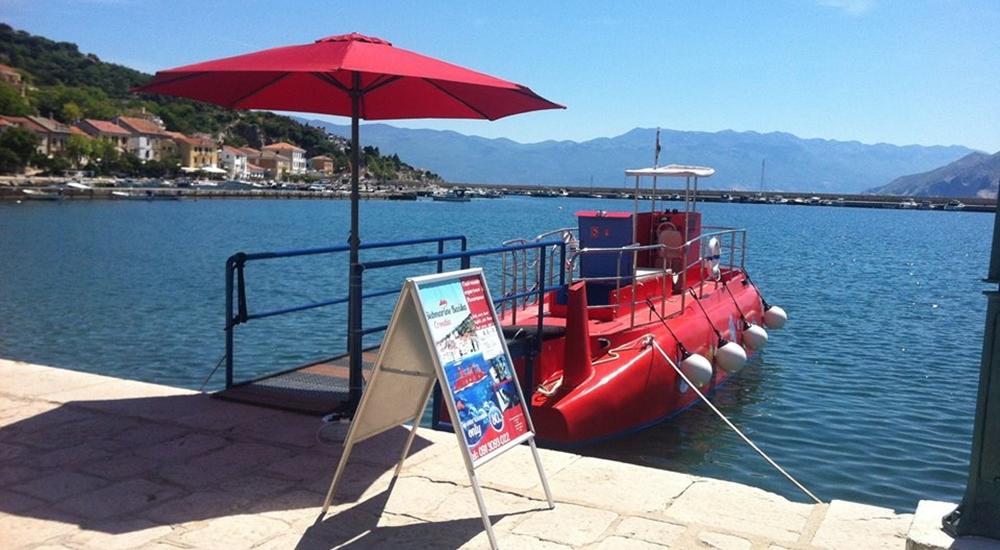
x=712 y=259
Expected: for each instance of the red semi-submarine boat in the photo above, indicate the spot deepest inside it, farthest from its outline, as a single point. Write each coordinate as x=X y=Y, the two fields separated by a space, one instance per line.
x=643 y=290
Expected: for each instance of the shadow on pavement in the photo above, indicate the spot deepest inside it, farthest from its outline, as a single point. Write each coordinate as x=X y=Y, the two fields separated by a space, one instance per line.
x=116 y=466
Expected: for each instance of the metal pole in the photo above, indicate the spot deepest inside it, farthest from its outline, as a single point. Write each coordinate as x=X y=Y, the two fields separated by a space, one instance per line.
x=229 y=323
x=354 y=298
x=977 y=514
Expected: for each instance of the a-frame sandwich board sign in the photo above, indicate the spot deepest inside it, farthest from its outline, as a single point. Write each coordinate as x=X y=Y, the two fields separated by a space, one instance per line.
x=444 y=328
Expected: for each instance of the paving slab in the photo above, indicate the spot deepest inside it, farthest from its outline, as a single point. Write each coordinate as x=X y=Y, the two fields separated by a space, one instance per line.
x=721 y=541
x=658 y=532
x=624 y=487
x=849 y=526
x=119 y=535
x=925 y=531
x=118 y=500
x=567 y=524
x=734 y=507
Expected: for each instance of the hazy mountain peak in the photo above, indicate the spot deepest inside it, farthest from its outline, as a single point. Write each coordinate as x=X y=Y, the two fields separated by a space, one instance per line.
x=793 y=163
x=974 y=175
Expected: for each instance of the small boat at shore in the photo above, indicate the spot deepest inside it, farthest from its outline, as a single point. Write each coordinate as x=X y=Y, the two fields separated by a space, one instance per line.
x=648 y=295
x=954 y=205
x=142 y=196
x=39 y=195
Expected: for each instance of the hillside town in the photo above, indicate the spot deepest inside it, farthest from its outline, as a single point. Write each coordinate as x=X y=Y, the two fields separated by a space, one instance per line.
x=146 y=138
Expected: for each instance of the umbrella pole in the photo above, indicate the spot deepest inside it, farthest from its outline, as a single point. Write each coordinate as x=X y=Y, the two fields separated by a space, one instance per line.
x=354 y=297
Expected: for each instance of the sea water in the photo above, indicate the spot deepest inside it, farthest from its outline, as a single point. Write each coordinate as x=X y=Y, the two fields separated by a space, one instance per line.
x=868 y=394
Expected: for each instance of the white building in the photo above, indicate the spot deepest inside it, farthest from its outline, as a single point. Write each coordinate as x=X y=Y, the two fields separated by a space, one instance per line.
x=147 y=136
x=234 y=161
x=296 y=156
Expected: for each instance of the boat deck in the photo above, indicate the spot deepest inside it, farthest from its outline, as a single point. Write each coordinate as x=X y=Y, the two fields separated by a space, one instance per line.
x=317 y=388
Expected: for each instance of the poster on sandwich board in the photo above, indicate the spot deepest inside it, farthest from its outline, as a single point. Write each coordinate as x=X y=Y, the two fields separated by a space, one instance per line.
x=444 y=328
x=481 y=383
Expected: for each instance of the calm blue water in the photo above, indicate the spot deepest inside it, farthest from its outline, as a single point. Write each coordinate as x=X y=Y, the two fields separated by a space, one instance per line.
x=868 y=394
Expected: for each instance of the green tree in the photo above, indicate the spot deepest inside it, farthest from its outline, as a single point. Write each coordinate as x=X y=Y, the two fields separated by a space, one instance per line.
x=17 y=147
x=71 y=112
x=78 y=148
x=11 y=101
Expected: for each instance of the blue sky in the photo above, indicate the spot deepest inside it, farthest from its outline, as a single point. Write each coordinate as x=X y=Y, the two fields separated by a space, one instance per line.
x=896 y=71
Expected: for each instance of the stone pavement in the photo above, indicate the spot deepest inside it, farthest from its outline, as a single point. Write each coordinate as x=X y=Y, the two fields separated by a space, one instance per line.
x=92 y=462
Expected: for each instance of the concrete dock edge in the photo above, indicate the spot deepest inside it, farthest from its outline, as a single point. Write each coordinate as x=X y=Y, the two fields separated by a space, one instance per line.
x=90 y=461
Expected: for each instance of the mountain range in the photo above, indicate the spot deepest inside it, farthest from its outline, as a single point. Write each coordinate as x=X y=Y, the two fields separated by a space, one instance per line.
x=792 y=163
x=974 y=175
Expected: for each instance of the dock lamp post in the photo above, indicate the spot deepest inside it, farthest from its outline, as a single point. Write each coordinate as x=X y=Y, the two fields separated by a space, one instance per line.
x=979 y=512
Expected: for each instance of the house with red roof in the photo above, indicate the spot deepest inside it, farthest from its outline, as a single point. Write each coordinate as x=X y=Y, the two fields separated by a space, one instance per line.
x=275 y=164
x=31 y=126
x=234 y=161
x=197 y=151
x=322 y=164
x=146 y=136
x=107 y=131
x=53 y=134
x=296 y=156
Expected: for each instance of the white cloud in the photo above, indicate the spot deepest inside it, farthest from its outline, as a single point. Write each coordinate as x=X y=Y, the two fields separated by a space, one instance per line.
x=852 y=7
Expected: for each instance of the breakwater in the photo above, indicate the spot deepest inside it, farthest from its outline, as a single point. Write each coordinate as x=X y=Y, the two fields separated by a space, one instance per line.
x=410 y=191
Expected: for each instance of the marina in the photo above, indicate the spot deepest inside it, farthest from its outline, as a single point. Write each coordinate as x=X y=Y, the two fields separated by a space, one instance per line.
x=790 y=400
x=231 y=321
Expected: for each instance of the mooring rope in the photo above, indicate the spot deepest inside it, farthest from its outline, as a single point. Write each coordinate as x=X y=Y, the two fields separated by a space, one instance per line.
x=211 y=374
x=652 y=342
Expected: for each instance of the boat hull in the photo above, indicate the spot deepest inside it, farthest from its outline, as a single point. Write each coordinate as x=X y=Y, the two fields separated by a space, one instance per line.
x=632 y=386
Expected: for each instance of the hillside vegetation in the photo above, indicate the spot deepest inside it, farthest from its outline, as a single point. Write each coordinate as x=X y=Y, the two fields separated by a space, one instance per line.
x=67 y=85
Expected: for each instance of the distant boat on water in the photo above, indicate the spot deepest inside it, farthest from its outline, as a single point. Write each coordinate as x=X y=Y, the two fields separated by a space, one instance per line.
x=954 y=205
x=454 y=195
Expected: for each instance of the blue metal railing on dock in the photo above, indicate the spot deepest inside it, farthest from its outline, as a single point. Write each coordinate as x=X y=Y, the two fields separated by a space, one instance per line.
x=236 y=282
x=237 y=311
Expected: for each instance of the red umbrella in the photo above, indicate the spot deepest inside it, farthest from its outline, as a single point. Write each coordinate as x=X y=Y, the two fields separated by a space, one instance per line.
x=353 y=75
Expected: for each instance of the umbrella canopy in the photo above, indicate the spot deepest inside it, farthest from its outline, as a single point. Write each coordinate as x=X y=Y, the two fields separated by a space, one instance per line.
x=353 y=75
x=323 y=76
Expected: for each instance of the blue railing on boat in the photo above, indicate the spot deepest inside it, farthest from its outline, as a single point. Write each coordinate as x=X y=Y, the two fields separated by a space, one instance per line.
x=237 y=311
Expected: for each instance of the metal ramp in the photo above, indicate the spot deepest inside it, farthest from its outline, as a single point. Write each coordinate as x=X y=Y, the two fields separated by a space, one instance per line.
x=317 y=388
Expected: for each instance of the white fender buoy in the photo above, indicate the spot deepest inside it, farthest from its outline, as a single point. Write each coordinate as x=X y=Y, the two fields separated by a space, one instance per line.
x=716 y=272
x=775 y=317
x=755 y=337
x=731 y=357
x=697 y=368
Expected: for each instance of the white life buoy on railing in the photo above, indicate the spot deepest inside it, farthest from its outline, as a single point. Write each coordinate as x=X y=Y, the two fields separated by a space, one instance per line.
x=712 y=259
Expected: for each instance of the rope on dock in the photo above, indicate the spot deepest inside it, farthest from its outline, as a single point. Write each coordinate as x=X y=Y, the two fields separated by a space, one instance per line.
x=652 y=342
x=211 y=374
